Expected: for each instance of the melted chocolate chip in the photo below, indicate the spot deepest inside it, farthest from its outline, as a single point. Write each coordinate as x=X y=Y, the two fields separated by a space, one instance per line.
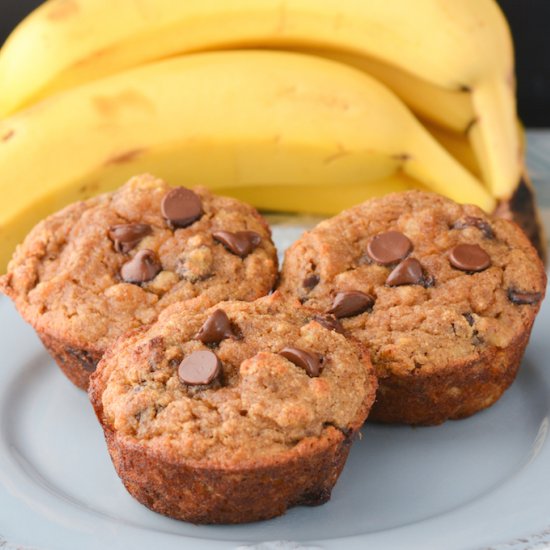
x=469 y=257
x=181 y=207
x=241 y=243
x=520 y=297
x=143 y=267
x=350 y=303
x=311 y=281
x=408 y=272
x=126 y=236
x=199 y=368
x=216 y=328
x=311 y=362
x=472 y=221
x=388 y=248
x=329 y=322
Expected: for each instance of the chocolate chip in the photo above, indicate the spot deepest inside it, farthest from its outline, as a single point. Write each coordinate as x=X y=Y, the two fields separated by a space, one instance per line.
x=84 y=358
x=329 y=322
x=126 y=236
x=199 y=368
x=408 y=272
x=350 y=303
x=520 y=297
x=388 y=248
x=472 y=221
x=311 y=281
x=241 y=243
x=155 y=352
x=311 y=362
x=469 y=257
x=143 y=267
x=181 y=207
x=477 y=340
x=469 y=317
x=216 y=328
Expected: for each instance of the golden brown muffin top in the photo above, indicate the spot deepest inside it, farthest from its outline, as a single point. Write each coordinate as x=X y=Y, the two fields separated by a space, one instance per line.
x=423 y=281
x=265 y=398
x=109 y=264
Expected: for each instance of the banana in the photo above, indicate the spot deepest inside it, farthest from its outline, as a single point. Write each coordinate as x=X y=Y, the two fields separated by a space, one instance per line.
x=450 y=113
x=460 y=147
x=322 y=199
x=447 y=109
x=221 y=119
x=325 y=201
x=457 y=144
x=478 y=116
x=458 y=54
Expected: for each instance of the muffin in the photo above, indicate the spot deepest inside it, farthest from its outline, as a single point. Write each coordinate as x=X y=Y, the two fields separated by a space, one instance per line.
x=235 y=413
x=101 y=267
x=443 y=294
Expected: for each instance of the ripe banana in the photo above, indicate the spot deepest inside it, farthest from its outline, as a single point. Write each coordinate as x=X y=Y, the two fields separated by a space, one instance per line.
x=322 y=199
x=457 y=144
x=221 y=119
x=458 y=54
x=458 y=111
x=449 y=109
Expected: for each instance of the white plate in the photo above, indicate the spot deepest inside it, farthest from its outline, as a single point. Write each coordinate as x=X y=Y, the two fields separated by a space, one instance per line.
x=476 y=483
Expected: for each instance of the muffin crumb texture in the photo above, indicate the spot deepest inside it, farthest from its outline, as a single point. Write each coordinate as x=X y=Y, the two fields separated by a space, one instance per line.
x=261 y=404
x=98 y=268
x=416 y=326
x=435 y=289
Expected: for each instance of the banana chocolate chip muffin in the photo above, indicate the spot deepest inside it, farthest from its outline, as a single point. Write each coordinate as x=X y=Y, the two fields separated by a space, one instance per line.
x=98 y=268
x=444 y=296
x=234 y=413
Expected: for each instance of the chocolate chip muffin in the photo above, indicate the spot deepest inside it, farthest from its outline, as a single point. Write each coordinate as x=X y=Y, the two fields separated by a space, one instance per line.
x=98 y=268
x=444 y=295
x=235 y=413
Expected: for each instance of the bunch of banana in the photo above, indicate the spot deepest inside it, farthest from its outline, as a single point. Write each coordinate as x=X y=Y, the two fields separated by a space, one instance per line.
x=88 y=98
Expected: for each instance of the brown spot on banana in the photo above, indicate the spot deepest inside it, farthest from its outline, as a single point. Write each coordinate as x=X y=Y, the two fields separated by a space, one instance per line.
x=402 y=159
x=126 y=156
x=471 y=124
x=89 y=189
x=341 y=152
x=62 y=9
x=93 y=57
x=7 y=136
x=128 y=100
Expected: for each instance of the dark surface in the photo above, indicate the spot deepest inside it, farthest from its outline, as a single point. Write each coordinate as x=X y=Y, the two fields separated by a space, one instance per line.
x=529 y=20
